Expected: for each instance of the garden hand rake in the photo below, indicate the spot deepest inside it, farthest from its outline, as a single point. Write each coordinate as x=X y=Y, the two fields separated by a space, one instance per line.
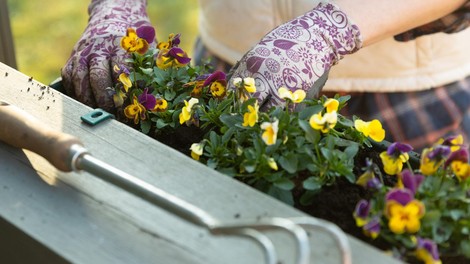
x=66 y=153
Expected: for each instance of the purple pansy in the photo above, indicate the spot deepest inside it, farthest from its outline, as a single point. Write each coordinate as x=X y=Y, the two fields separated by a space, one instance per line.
x=439 y=152
x=401 y=196
x=362 y=209
x=372 y=228
x=410 y=180
x=147 y=33
x=179 y=55
x=216 y=76
x=147 y=100
x=458 y=155
x=397 y=148
x=428 y=248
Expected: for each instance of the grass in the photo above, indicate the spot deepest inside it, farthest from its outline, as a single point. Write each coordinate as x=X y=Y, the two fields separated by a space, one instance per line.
x=44 y=32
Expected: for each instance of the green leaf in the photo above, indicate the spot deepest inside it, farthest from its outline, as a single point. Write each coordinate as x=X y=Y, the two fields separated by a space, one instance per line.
x=231 y=120
x=145 y=126
x=309 y=111
x=312 y=183
x=311 y=135
x=147 y=71
x=228 y=135
x=465 y=248
x=351 y=150
x=249 y=165
x=169 y=94
x=283 y=195
x=289 y=162
x=456 y=214
x=284 y=184
x=161 y=123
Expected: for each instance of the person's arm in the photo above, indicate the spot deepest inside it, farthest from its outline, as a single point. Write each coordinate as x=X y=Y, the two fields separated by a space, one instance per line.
x=378 y=20
x=297 y=53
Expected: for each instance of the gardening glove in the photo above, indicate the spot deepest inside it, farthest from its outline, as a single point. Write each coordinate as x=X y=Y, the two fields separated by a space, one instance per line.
x=297 y=53
x=89 y=73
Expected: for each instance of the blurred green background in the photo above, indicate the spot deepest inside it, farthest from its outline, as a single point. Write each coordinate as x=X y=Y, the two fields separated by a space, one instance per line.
x=44 y=32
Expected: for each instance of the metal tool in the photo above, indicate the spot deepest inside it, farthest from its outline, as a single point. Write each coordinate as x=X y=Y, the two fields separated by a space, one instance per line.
x=67 y=153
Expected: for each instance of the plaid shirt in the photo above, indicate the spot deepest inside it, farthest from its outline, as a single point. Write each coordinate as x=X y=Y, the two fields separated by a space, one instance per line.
x=455 y=22
x=417 y=118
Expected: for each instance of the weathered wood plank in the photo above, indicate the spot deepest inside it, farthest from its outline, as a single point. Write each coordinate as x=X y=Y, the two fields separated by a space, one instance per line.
x=85 y=220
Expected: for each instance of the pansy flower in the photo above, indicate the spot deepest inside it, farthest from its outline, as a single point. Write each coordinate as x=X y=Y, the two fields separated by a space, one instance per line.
x=403 y=211
x=187 y=110
x=173 y=41
x=427 y=251
x=432 y=158
x=368 y=179
x=372 y=129
x=455 y=142
x=372 y=227
x=197 y=85
x=147 y=100
x=174 y=57
x=160 y=105
x=196 y=150
x=269 y=135
x=331 y=105
x=123 y=76
x=324 y=122
x=409 y=180
x=135 y=111
x=295 y=97
x=394 y=157
x=361 y=212
x=217 y=84
x=251 y=117
x=461 y=170
x=138 y=40
x=245 y=87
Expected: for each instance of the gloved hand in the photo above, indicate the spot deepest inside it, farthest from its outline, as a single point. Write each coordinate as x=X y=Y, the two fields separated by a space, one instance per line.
x=89 y=71
x=297 y=53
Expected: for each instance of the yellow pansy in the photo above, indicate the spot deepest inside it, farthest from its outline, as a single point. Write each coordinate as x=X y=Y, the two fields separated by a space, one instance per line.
x=296 y=97
x=404 y=218
x=331 y=105
x=372 y=129
x=461 y=169
x=393 y=165
x=161 y=105
x=269 y=135
x=251 y=117
x=272 y=164
x=196 y=150
x=324 y=122
x=135 y=111
x=132 y=43
x=186 y=112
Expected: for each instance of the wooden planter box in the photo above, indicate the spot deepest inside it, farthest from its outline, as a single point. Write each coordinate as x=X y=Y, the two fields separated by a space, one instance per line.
x=54 y=217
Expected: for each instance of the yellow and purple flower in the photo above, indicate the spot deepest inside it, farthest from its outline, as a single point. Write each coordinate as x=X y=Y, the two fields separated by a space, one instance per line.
x=394 y=157
x=455 y=142
x=269 y=135
x=138 y=40
x=403 y=211
x=368 y=179
x=147 y=100
x=433 y=158
x=160 y=105
x=173 y=41
x=427 y=251
x=372 y=227
x=135 y=111
x=361 y=213
x=409 y=180
x=123 y=76
x=458 y=161
x=174 y=57
x=217 y=84
x=372 y=129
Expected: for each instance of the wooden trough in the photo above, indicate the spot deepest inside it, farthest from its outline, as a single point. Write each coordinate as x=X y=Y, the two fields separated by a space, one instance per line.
x=48 y=216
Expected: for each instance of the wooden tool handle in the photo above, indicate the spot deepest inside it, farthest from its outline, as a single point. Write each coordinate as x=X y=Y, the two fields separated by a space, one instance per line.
x=20 y=129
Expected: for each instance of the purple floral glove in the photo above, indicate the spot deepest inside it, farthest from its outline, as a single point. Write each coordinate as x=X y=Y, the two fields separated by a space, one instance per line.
x=89 y=71
x=297 y=53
